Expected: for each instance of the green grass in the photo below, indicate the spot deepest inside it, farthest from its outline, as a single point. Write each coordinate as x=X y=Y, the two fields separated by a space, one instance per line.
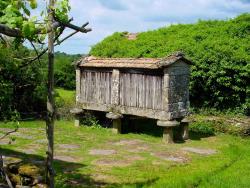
x=67 y=97
x=229 y=167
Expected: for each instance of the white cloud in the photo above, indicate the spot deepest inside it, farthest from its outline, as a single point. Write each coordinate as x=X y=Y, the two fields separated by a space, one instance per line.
x=109 y=16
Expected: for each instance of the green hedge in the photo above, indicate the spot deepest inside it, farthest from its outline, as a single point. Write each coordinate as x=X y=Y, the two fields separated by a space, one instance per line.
x=220 y=51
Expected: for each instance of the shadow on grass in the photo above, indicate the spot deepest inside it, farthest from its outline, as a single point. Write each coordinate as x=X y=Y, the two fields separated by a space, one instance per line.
x=67 y=173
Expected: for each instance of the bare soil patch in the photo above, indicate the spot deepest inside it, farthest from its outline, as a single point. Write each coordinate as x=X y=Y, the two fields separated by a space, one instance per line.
x=133 y=146
x=200 y=150
x=68 y=146
x=112 y=162
x=174 y=157
x=67 y=158
x=102 y=152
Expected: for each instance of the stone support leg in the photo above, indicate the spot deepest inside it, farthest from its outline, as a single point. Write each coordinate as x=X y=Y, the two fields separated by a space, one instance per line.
x=116 y=118
x=185 y=125
x=168 y=136
x=77 y=112
x=77 y=121
x=117 y=126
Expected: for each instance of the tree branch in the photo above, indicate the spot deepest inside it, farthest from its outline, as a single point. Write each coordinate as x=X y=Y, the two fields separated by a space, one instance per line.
x=56 y=44
x=37 y=54
x=4 y=29
x=9 y=132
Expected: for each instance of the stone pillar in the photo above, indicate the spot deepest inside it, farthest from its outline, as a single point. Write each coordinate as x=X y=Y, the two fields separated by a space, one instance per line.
x=77 y=121
x=117 y=126
x=116 y=118
x=77 y=112
x=168 y=130
x=185 y=124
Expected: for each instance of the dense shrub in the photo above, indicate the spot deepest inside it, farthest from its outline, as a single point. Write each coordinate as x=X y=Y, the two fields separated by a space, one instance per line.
x=65 y=70
x=22 y=90
x=204 y=128
x=220 y=51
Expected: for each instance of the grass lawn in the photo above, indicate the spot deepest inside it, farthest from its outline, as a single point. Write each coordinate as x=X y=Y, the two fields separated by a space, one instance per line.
x=94 y=157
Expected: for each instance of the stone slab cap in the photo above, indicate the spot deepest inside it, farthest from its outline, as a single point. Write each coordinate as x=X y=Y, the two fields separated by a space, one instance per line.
x=112 y=115
x=185 y=120
x=76 y=111
x=163 y=123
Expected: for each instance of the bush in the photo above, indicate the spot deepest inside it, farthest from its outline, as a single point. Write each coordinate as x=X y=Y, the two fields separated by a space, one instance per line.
x=65 y=70
x=220 y=52
x=210 y=125
x=22 y=90
x=204 y=128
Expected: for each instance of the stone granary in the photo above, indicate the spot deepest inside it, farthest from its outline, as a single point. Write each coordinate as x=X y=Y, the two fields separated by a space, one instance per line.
x=154 y=88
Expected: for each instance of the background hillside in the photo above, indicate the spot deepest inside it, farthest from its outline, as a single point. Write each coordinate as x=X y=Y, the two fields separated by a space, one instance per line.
x=220 y=51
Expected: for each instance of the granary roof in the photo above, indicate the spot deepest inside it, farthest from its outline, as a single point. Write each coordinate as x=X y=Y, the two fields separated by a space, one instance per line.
x=145 y=63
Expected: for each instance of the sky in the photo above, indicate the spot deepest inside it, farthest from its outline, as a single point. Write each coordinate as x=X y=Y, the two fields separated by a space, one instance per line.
x=108 y=16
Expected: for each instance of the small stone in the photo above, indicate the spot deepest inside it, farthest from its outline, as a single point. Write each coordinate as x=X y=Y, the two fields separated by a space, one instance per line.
x=11 y=160
x=29 y=170
x=101 y=152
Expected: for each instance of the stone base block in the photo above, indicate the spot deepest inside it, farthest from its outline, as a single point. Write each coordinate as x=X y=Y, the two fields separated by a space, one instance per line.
x=168 y=136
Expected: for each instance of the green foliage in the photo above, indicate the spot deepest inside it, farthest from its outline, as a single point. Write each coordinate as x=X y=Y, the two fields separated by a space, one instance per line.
x=22 y=90
x=17 y=14
x=220 y=51
x=204 y=128
x=65 y=70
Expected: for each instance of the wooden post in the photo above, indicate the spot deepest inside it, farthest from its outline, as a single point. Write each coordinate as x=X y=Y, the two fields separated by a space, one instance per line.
x=50 y=100
x=168 y=130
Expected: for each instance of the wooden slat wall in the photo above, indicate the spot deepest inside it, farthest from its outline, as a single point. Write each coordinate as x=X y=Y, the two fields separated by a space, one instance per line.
x=140 y=90
x=96 y=87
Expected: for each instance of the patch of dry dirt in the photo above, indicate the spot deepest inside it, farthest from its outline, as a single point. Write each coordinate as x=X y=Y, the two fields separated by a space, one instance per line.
x=102 y=152
x=174 y=157
x=200 y=150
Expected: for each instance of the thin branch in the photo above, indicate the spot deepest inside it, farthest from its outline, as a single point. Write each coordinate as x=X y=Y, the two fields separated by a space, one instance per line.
x=8 y=133
x=46 y=49
x=37 y=54
x=12 y=32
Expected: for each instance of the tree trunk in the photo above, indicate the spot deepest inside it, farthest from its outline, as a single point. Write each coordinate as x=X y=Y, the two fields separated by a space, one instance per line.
x=50 y=99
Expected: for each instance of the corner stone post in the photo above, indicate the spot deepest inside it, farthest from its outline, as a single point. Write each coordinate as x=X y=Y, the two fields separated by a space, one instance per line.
x=168 y=130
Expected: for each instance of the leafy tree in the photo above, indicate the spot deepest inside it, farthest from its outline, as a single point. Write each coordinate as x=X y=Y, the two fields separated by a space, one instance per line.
x=22 y=89
x=65 y=70
x=220 y=51
x=17 y=21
